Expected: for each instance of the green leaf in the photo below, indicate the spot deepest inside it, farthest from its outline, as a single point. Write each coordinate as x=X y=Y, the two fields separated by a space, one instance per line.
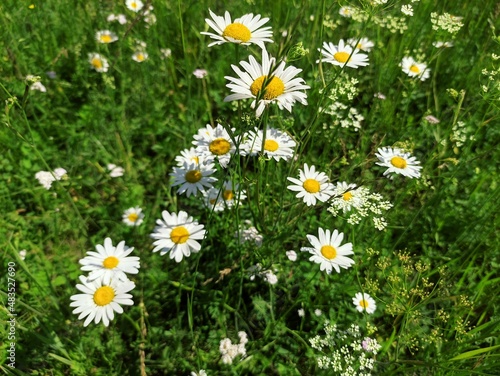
x=470 y=354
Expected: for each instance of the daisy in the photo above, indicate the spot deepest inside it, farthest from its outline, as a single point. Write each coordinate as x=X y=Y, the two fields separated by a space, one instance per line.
x=193 y=177
x=134 y=5
x=99 y=63
x=364 y=44
x=346 y=196
x=277 y=144
x=341 y=55
x=229 y=195
x=110 y=262
x=311 y=185
x=106 y=36
x=244 y=30
x=267 y=84
x=215 y=142
x=439 y=44
x=327 y=251
x=414 y=69
x=398 y=162
x=177 y=234
x=364 y=302
x=133 y=216
x=100 y=301
x=192 y=156
x=346 y=11
x=140 y=56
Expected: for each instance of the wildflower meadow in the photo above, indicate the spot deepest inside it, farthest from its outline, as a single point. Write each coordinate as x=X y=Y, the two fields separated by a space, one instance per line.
x=296 y=187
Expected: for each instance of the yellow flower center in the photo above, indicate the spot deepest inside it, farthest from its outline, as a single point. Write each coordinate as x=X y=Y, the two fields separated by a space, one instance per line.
x=110 y=262
x=328 y=252
x=195 y=159
x=106 y=38
x=414 y=69
x=398 y=162
x=341 y=57
x=363 y=303
x=359 y=46
x=96 y=63
x=228 y=195
x=311 y=185
x=133 y=5
x=271 y=145
x=219 y=146
x=193 y=176
x=179 y=235
x=104 y=295
x=140 y=57
x=133 y=217
x=237 y=31
x=347 y=196
x=273 y=89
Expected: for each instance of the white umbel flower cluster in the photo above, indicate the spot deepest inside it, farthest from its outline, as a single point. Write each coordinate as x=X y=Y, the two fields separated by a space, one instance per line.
x=230 y=351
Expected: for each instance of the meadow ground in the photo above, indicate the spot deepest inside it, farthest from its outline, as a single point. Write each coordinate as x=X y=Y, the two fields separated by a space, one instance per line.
x=293 y=188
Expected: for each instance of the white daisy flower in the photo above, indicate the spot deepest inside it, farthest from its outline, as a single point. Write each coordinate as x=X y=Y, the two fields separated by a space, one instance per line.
x=106 y=36
x=346 y=11
x=267 y=84
x=134 y=5
x=177 y=234
x=328 y=252
x=100 y=301
x=364 y=302
x=346 y=197
x=364 y=44
x=140 y=56
x=190 y=156
x=98 y=62
x=110 y=262
x=115 y=171
x=311 y=185
x=341 y=55
x=244 y=30
x=215 y=142
x=219 y=199
x=415 y=69
x=193 y=177
x=133 y=216
x=398 y=162
x=277 y=144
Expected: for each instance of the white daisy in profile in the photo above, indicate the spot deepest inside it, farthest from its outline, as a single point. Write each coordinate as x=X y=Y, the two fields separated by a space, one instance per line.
x=328 y=251
x=100 y=301
x=364 y=302
x=440 y=44
x=415 y=69
x=106 y=36
x=134 y=5
x=192 y=156
x=364 y=44
x=311 y=185
x=277 y=144
x=228 y=196
x=216 y=143
x=140 y=56
x=267 y=84
x=193 y=177
x=341 y=55
x=133 y=216
x=346 y=196
x=244 y=30
x=98 y=63
x=110 y=262
x=398 y=162
x=177 y=234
